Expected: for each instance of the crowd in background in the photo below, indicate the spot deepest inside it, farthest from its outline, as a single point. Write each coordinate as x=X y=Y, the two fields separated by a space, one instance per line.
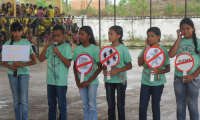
x=27 y=15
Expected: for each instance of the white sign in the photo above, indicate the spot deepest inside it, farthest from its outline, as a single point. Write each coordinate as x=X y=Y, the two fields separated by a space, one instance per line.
x=15 y=52
x=184 y=62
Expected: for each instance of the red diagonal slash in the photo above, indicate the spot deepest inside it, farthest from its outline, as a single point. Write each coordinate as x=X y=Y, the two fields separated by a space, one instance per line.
x=86 y=63
x=184 y=62
x=154 y=57
x=109 y=57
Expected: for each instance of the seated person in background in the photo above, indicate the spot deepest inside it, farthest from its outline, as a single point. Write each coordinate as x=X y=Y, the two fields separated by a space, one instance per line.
x=43 y=38
x=11 y=20
x=4 y=20
x=2 y=39
x=23 y=11
x=25 y=29
x=75 y=28
x=18 y=19
x=4 y=29
x=28 y=10
x=76 y=37
x=27 y=20
x=47 y=23
x=41 y=27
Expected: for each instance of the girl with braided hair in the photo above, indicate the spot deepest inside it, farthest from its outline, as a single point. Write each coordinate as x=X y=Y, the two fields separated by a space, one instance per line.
x=187 y=87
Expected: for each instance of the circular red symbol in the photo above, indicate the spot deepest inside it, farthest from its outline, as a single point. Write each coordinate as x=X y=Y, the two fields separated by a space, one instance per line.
x=154 y=57
x=109 y=56
x=84 y=63
x=184 y=62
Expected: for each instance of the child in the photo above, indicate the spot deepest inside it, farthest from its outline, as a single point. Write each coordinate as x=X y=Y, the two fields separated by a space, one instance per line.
x=11 y=20
x=51 y=13
x=41 y=27
x=28 y=11
x=35 y=10
x=155 y=88
x=9 y=8
x=27 y=20
x=187 y=87
x=19 y=85
x=4 y=19
x=88 y=88
x=47 y=23
x=115 y=35
x=59 y=60
x=76 y=37
x=18 y=19
x=4 y=8
x=23 y=11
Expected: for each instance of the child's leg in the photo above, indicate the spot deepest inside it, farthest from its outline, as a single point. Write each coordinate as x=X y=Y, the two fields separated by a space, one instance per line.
x=121 y=93
x=52 y=102
x=180 y=93
x=144 y=101
x=14 y=85
x=61 y=92
x=23 y=84
x=156 y=92
x=92 y=95
x=85 y=102
x=192 y=89
x=110 y=94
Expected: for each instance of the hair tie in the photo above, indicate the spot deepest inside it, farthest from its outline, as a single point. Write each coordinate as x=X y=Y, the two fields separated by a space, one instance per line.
x=121 y=40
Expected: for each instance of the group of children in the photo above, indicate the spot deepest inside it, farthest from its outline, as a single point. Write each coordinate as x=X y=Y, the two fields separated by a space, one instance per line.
x=59 y=60
x=26 y=14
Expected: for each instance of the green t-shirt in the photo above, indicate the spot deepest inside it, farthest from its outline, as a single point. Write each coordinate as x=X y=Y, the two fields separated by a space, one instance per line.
x=24 y=69
x=125 y=58
x=187 y=46
x=61 y=71
x=158 y=79
x=93 y=51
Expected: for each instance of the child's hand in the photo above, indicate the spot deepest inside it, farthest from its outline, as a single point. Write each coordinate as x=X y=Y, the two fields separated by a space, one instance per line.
x=55 y=50
x=17 y=64
x=105 y=73
x=112 y=72
x=155 y=71
x=78 y=84
x=84 y=84
x=49 y=42
x=13 y=67
x=179 y=34
x=187 y=78
x=147 y=45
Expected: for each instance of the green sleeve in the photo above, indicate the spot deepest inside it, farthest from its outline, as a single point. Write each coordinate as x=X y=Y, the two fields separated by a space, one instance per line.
x=68 y=54
x=31 y=50
x=167 y=60
x=127 y=56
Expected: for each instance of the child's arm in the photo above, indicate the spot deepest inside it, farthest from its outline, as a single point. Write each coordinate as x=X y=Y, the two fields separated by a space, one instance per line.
x=42 y=55
x=86 y=83
x=141 y=60
x=32 y=62
x=76 y=76
x=67 y=62
x=173 y=50
x=115 y=71
x=157 y=71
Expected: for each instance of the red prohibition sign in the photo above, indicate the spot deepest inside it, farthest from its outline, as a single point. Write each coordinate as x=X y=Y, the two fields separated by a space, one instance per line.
x=185 y=62
x=154 y=57
x=78 y=66
x=103 y=60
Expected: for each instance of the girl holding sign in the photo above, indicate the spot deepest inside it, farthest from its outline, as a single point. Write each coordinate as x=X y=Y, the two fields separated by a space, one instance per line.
x=118 y=75
x=87 y=88
x=152 y=88
x=187 y=87
x=19 y=85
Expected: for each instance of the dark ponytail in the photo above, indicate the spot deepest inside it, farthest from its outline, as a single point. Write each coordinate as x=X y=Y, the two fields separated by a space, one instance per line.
x=195 y=41
x=119 y=31
x=190 y=23
x=12 y=40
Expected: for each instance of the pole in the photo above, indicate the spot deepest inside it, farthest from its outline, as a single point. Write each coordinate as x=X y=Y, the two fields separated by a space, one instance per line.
x=150 y=13
x=114 y=12
x=174 y=7
x=38 y=42
x=185 y=8
x=99 y=24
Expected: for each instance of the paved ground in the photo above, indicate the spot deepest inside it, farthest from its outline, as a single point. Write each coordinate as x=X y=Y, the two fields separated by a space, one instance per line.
x=38 y=109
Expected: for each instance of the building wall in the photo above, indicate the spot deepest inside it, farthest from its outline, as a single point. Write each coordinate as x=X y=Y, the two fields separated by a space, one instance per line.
x=81 y=4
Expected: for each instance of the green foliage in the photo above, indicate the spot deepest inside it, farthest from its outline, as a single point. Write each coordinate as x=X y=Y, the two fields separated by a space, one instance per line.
x=181 y=10
x=169 y=9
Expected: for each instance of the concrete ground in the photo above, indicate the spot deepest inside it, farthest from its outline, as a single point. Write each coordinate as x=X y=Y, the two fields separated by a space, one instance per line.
x=38 y=109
